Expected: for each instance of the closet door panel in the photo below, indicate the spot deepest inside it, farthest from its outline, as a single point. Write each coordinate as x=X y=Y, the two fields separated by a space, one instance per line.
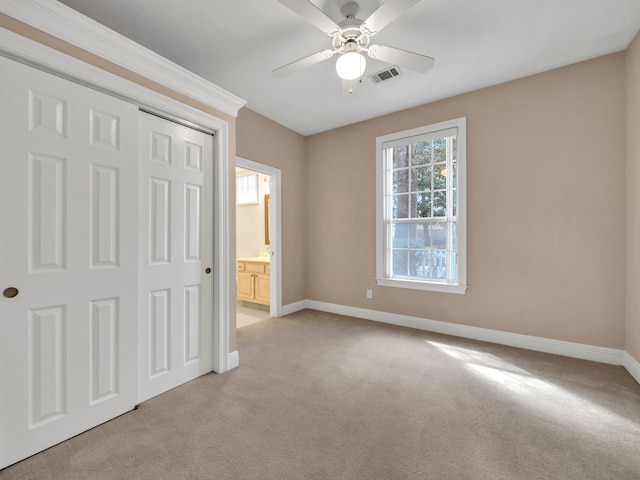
x=68 y=257
x=176 y=243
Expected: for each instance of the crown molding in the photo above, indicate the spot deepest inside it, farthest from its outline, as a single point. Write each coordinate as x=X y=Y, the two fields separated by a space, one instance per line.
x=30 y=52
x=66 y=24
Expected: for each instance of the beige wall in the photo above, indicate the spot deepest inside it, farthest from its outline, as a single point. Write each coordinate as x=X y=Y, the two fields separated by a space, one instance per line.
x=264 y=141
x=546 y=208
x=632 y=336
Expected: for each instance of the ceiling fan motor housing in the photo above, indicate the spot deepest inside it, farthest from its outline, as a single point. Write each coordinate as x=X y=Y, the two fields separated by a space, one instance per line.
x=350 y=35
x=350 y=10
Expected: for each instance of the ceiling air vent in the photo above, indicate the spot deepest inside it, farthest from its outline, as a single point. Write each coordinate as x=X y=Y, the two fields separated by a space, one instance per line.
x=384 y=75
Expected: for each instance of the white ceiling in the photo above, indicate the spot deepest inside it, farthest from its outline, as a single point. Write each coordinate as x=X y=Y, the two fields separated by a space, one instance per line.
x=476 y=43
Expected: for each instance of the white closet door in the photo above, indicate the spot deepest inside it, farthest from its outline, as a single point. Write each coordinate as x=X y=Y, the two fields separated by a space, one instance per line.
x=176 y=232
x=68 y=249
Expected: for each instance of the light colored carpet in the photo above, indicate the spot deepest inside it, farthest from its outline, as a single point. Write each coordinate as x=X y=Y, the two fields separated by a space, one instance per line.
x=320 y=396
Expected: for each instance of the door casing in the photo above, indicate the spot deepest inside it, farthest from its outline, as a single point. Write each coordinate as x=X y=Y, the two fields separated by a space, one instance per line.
x=275 y=228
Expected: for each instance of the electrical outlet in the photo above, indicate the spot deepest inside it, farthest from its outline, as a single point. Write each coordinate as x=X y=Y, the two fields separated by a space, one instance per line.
x=369 y=294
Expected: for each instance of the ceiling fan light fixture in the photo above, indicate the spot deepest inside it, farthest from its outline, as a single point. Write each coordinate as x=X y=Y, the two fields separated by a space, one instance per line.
x=350 y=65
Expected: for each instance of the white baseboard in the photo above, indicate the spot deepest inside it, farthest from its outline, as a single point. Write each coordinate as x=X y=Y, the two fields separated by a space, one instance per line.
x=594 y=353
x=567 y=349
x=632 y=365
x=233 y=360
x=293 y=307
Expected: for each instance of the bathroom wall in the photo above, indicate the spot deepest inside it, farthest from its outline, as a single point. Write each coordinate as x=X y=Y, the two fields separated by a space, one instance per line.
x=250 y=221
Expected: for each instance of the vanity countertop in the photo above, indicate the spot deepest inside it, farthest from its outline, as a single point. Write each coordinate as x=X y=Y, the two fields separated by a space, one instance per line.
x=254 y=259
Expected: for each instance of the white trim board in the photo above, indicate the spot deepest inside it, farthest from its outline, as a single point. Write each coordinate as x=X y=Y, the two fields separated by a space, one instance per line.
x=539 y=344
x=36 y=54
x=568 y=349
x=222 y=236
x=66 y=24
x=294 y=307
x=632 y=365
x=233 y=360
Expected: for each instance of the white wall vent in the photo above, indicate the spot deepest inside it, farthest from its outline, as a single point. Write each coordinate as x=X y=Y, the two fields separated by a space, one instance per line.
x=386 y=74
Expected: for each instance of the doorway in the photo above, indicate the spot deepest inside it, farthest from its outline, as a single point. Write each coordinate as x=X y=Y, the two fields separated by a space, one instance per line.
x=258 y=252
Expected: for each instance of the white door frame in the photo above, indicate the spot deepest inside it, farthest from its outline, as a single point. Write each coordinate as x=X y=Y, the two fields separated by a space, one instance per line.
x=63 y=22
x=275 y=229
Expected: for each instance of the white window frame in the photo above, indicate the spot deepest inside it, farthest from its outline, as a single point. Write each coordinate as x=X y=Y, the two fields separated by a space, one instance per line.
x=382 y=234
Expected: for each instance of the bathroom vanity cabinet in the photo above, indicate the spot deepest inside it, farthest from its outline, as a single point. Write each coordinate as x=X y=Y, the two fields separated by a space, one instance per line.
x=254 y=283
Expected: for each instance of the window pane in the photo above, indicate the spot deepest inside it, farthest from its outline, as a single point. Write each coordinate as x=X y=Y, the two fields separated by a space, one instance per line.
x=439 y=150
x=247 y=189
x=400 y=263
x=429 y=264
x=401 y=206
x=417 y=237
x=439 y=204
x=401 y=156
x=421 y=205
x=439 y=180
x=454 y=255
x=401 y=181
x=454 y=236
x=400 y=235
x=454 y=266
x=435 y=235
x=422 y=153
x=455 y=173
x=455 y=202
x=421 y=179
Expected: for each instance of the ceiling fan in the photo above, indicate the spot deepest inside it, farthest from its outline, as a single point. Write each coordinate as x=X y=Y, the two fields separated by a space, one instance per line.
x=352 y=36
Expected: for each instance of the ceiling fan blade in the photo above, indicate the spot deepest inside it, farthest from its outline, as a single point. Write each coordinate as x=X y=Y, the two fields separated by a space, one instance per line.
x=411 y=60
x=303 y=63
x=385 y=14
x=313 y=15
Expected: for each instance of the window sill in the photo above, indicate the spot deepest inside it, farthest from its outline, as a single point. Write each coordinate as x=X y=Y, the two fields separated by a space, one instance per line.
x=419 y=285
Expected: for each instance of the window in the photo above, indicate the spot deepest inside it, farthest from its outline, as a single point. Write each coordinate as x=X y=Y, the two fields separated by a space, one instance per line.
x=421 y=208
x=247 y=189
